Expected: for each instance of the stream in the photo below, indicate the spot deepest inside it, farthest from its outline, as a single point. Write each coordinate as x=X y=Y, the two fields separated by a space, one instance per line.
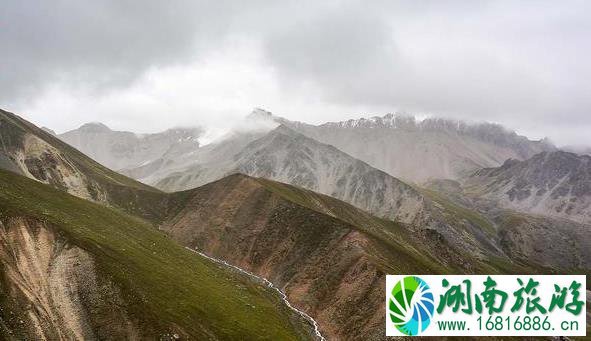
x=270 y=285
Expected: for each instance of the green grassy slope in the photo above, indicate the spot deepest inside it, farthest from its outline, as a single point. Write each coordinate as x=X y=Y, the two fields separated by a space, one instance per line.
x=163 y=284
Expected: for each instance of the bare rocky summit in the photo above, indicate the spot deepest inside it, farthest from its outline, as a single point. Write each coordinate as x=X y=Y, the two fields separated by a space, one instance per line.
x=419 y=150
x=556 y=184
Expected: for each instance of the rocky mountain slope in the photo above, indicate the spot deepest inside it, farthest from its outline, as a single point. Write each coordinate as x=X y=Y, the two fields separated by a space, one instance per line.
x=72 y=269
x=329 y=257
x=122 y=149
x=36 y=154
x=421 y=150
x=554 y=184
x=206 y=164
x=286 y=156
x=549 y=242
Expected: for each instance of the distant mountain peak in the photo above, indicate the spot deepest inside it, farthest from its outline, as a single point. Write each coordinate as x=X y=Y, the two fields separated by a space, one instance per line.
x=389 y=120
x=193 y=132
x=95 y=127
x=123 y=149
x=258 y=113
x=410 y=122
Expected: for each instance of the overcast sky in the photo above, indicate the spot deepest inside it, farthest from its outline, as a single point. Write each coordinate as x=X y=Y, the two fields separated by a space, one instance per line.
x=149 y=65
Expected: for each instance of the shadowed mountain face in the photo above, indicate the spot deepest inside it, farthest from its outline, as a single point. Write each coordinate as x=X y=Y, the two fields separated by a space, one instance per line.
x=72 y=269
x=420 y=150
x=122 y=149
x=555 y=184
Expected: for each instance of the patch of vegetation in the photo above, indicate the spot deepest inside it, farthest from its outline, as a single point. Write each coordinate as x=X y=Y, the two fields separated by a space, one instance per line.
x=164 y=285
x=456 y=212
x=510 y=218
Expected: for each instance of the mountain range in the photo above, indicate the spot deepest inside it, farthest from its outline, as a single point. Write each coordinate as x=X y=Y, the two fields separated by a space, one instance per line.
x=90 y=253
x=417 y=151
x=121 y=149
x=397 y=144
x=288 y=155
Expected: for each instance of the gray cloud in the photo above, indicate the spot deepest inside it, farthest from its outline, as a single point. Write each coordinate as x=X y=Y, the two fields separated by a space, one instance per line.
x=523 y=64
x=495 y=61
x=101 y=44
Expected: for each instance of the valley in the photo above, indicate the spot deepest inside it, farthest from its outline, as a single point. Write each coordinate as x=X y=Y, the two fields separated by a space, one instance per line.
x=292 y=222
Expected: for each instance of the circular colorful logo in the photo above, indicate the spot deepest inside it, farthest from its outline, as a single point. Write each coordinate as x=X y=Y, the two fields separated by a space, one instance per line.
x=411 y=305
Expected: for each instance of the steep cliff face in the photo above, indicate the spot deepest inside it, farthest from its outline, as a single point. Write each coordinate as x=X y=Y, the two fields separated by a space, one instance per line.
x=72 y=269
x=555 y=184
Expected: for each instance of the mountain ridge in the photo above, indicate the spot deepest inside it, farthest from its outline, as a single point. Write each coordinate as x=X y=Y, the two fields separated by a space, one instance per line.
x=288 y=156
x=36 y=154
x=551 y=183
x=409 y=148
x=122 y=149
x=419 y=150
x=328 y=256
